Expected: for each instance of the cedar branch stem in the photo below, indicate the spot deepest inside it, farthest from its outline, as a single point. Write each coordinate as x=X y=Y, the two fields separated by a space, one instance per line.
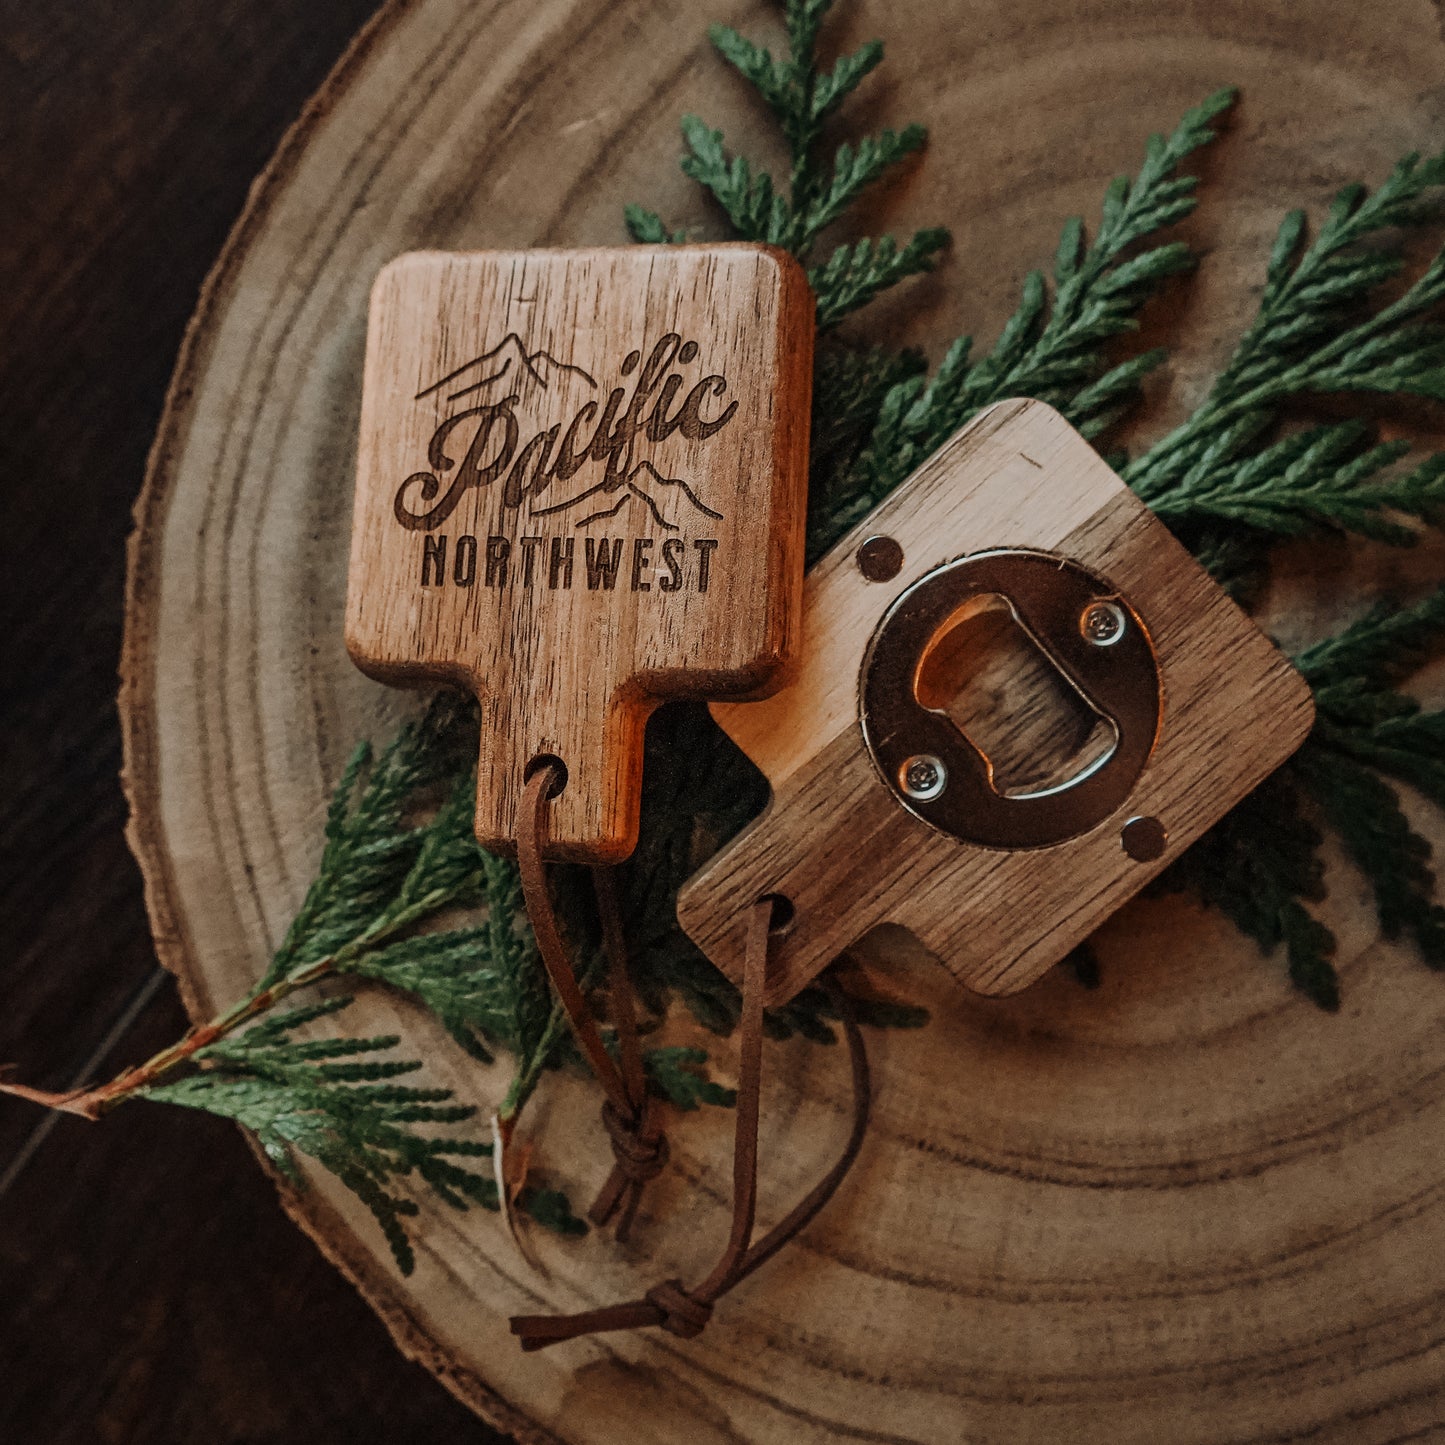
x=93 y=1103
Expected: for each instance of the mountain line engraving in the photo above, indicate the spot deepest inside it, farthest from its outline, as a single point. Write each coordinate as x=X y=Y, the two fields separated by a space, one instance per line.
x=519 y=352
x=630 y=491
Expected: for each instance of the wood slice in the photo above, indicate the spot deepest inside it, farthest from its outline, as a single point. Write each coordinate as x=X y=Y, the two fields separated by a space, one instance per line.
x=1186 y=1206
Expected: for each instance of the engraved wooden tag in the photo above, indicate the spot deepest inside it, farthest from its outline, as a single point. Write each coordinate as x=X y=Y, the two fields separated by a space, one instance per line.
x=581 y=489
x=885 y=809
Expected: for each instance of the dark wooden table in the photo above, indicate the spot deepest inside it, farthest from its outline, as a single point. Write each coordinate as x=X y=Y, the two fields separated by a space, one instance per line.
x=151 y=1289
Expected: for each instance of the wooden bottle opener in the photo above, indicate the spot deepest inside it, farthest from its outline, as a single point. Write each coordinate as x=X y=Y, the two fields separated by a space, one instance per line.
x=580 y=490
x=884 y=810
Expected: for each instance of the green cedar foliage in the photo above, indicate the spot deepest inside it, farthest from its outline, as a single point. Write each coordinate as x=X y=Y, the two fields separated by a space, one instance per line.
x=335 y=1101
x=332 y=1100
x=390 y=869
x=1236 y=477
x=399 y=855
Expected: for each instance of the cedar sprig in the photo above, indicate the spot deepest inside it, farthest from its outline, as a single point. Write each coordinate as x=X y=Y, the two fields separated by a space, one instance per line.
x=1323 y=478
x=1260 y=866
x=1054 y=350
x=1315 y=331
x=1365 y=726
x=803 y=97
x=333 y=1100
x=385 y=877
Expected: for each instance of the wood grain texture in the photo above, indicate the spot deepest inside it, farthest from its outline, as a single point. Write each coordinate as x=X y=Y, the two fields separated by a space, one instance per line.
x=1221 y=709
x=581 y=486
x=1185 y=1206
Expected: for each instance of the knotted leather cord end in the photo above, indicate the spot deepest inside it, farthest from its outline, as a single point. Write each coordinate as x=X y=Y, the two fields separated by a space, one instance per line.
x=536 y=1332
x=667 y=1305
x=686 y=1313
x=639 y=1148
x=640 y=1153
x=683 y=1314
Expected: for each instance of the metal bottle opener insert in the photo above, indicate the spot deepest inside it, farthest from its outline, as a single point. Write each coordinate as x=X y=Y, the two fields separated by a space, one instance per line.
x=1088 y=632
x=886 y=810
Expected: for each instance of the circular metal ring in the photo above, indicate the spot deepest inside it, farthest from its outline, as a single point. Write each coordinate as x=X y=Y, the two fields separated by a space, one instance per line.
x=1048 y=596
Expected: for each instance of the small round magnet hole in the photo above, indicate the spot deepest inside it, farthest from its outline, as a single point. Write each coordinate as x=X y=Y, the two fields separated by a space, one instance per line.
x=1144 y=839
x=784 y=915
x=880 y=559
x=552 y=761
x=923 y=776
x=1102 y=623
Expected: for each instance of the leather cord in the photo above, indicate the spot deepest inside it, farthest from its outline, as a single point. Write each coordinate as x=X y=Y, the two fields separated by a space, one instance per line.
x=686 y=1312
x=639 y=1147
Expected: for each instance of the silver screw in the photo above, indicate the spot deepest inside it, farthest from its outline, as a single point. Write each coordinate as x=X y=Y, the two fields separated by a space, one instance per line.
x=1102 y=623
x=923 y=777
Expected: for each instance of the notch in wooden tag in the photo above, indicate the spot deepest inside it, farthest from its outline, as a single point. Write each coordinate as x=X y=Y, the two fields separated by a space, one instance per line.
x=581 y=486
x=908 y=786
